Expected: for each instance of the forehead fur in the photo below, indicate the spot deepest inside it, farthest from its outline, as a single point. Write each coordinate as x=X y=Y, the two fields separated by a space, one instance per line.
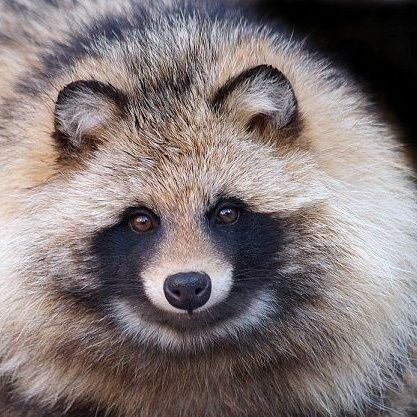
x=170 y=81
x=186 y=183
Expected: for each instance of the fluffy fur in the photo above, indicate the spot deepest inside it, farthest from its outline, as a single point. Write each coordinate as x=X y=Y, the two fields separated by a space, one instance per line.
x=339 y=340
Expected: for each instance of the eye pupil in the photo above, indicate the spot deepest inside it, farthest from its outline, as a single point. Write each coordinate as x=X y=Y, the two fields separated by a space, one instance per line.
x=228 y=215
x=142 y=222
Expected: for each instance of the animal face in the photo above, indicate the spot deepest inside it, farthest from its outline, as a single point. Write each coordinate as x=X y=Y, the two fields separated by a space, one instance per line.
x=187 y=233
x=185 y=225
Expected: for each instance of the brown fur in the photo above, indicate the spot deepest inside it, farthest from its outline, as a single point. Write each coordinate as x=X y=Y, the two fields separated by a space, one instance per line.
x=340 y=181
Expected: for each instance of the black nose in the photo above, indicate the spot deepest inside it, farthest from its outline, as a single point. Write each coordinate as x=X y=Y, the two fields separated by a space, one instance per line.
x=188 y=291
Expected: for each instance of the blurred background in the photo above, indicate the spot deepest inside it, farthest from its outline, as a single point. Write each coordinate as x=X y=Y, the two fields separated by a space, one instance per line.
x=376 y=40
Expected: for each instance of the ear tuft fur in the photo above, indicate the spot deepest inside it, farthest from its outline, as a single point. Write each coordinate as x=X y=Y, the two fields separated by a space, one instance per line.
x=82 y=109
x=257 y=98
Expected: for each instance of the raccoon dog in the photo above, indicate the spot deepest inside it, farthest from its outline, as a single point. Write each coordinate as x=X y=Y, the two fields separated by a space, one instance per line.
x=199 y=218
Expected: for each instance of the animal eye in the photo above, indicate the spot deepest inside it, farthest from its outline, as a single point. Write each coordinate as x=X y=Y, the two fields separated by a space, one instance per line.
x=227 y=215
x=143 y=221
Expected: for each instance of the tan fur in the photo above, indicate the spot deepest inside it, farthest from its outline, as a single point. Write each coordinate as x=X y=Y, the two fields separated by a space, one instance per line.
x=343 y=185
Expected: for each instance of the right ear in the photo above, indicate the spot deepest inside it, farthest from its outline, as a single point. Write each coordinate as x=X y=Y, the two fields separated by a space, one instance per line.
x=260 y=98
x=83 y=108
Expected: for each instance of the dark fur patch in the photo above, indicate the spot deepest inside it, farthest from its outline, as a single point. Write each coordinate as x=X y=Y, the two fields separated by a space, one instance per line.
x=120 y=255
x=253 y=246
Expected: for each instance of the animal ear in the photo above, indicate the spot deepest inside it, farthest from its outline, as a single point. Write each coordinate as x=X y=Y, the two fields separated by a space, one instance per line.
x=82 y=110
x=258 y=98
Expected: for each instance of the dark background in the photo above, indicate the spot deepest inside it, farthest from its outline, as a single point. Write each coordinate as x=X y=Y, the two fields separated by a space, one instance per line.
x=374 y=40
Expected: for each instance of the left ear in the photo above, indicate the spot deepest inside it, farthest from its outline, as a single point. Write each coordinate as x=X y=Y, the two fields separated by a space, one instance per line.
x=258 y=98
x=82 y=109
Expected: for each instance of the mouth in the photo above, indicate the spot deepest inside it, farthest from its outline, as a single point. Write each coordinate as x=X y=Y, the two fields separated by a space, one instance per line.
x=189 y=322
x=226 y=322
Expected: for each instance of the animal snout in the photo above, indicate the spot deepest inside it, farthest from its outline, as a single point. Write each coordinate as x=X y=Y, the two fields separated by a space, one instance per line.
x=187 y=291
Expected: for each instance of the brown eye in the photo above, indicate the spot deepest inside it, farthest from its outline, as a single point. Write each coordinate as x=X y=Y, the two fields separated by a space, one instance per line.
x=142 y=222
x=227 y=215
